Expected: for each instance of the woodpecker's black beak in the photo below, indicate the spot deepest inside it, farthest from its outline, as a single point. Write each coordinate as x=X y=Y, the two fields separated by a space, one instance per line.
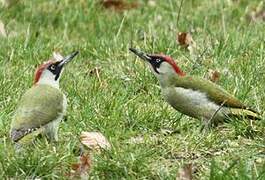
x=56 y=68
x=67 y=59
x=141 y=54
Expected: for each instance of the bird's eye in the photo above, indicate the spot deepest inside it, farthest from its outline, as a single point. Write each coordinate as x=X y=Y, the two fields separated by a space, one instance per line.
x=53 y=67
x=158 y=60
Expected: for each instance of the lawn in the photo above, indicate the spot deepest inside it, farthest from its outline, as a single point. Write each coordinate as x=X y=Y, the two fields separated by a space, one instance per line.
x=111 y=91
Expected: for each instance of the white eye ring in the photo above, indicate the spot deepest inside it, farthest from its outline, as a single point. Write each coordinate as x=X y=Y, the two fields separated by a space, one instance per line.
x=53 y=67
x=158 y=60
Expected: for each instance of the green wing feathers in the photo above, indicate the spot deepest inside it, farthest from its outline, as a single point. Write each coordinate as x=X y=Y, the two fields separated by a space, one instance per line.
x=217 y=95
x=214 y=92
x=39 y=105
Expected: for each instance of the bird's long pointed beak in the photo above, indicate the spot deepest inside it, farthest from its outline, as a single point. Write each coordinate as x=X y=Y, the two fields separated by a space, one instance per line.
x=140 y=54
x=68 y=58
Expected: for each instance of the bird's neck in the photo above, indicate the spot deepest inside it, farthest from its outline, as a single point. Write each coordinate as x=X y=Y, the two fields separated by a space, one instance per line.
x=166 y=80
x=48 y=78
x=46 y=81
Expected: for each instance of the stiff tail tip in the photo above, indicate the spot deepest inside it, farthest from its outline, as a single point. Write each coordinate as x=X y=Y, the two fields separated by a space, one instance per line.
x=249 y=114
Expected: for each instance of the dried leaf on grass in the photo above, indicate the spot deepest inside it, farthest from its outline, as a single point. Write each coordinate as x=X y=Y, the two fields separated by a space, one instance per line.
x=82 y=168
x=213 y=75
x=118 y=5
x=185 y=173
x=94 y=140
x=186 y=41
x=2 y=30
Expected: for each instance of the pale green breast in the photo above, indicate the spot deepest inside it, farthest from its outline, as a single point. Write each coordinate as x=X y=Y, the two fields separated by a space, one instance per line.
x=40 y=105
x=214 y=92
x=192 y=103
x=199 y=97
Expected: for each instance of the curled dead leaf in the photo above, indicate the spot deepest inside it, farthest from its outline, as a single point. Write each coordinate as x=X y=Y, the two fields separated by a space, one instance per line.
x=82 y=168
x=184 y=39
x=185 y=173
x=94 y=140
x=118 y=5
x=213 y=75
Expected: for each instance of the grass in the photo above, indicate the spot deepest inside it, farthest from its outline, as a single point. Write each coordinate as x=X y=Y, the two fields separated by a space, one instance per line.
x=124 y=101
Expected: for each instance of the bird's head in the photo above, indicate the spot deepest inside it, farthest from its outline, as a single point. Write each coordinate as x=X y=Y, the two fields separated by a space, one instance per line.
x=50 y=71
x=160 y=64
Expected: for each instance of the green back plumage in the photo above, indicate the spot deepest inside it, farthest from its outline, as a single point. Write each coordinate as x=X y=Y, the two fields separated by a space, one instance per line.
x=214 y=92
x=40 y=105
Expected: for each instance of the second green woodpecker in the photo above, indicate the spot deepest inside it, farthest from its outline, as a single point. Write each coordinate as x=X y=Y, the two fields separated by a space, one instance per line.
x=194 y=96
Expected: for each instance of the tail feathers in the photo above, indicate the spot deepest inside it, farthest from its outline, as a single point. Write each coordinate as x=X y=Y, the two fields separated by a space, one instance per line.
x=29 y=138
x=247 y=113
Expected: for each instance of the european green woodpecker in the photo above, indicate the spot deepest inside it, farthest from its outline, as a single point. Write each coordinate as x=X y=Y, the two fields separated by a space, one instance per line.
x=43 y=106
x=193 y=96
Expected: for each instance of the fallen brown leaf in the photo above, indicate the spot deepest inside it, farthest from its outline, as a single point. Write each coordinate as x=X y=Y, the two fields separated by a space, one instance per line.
x=94 y=140
x=184 y=39
x=82 y=168
x=118 y=5
x=2 y=30
x=214 y=75
x=185 y=173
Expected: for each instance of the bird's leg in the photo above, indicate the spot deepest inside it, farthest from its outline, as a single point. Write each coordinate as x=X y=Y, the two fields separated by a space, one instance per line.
x=206 y=126
x=51 y=130
x=208 y=123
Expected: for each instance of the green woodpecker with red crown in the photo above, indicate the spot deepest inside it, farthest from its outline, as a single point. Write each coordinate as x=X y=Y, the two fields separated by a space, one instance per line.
x=43 y=106
x=193 y=96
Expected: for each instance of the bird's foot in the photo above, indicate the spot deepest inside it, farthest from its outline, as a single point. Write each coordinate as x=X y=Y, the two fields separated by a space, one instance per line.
x=206 y=127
